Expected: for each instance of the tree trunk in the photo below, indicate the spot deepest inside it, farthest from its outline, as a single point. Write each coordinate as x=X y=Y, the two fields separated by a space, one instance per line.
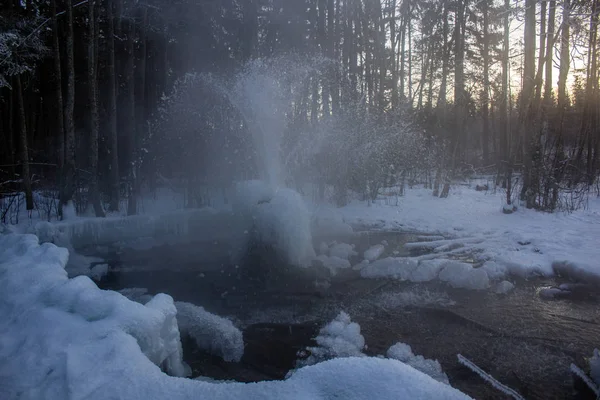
x=549 y=53
x=393 y=66
x=530 y=184
x=60 y=127
x=485 y=98
x=68 y=187
x=25 y=175
x=94 y=193
x=504 y=109
x=112 y=108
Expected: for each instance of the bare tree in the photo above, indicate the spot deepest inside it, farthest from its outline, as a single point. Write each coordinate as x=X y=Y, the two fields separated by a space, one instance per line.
x=94 y=192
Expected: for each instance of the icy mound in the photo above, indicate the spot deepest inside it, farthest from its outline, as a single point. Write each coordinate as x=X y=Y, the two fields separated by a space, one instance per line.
x=284 y=222
x=339 y=338
x=212 y=333
x=278 y=218
x=33 y=278
x=66 y=339
x=403 y=352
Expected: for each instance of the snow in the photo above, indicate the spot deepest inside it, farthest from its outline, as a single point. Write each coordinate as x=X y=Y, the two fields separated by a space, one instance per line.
x=99 y=271
x=595 y=367
x=403 y=352
x=462 y=275
x=212 y=333
x=67 y=339
x=284 y=222
x=342 y=250
x=504 y=287
x=33 y=279
x=427 y=270
x=393 y=267
x=328 y=222
x=339 y=338
x=333 y=263
x=525 y=242
x=374 y=252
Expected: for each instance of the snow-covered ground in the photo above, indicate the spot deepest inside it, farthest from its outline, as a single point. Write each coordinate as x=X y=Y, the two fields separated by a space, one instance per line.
x=524 y=242
x=66 y=339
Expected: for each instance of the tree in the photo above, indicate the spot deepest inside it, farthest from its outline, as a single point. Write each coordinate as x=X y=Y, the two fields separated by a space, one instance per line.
x=94 y=191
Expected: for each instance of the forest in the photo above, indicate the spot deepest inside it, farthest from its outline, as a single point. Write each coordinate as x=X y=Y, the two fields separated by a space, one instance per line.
x=101 y=101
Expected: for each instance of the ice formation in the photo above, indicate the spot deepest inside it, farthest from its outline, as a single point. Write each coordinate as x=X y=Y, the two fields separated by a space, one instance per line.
x=403 y=352
x=374 y=252
x=212 y=333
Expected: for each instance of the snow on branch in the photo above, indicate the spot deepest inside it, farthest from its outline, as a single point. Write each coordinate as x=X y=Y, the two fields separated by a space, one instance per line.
x=488 y=378
x=586 y=379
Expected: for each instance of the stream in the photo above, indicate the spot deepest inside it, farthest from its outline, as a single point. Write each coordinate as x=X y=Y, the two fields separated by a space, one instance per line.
x=524 y=339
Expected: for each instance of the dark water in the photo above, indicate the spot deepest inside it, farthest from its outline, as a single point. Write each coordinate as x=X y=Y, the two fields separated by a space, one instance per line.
x=522 y=339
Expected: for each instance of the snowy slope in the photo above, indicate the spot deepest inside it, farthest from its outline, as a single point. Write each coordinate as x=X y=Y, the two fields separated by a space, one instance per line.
x=67 y=339
x=524 y=242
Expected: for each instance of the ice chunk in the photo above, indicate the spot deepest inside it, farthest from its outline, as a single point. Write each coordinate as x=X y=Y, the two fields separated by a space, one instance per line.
x=504 y=287
x=333 y=263
x=342 y=250
x=462 y=275
x=427 y=270
x=391 y=267
x=495 y=270
x=339 y=338
x=99 y=271
x=374 y=252
x=403 y=352
x=216 y=335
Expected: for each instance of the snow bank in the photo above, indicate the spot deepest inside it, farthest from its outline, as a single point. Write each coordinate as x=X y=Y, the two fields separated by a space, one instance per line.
x=339 y=338
x=212 y=333
x=33 y=278
x=525 y=242
x=403 y=352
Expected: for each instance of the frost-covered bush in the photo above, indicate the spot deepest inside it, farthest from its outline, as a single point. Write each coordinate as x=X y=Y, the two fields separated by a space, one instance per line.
x=339 y=338
x=21 y=46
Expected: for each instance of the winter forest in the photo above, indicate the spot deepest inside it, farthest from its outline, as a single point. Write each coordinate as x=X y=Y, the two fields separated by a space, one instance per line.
x=299 y=199
x=95 y=96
